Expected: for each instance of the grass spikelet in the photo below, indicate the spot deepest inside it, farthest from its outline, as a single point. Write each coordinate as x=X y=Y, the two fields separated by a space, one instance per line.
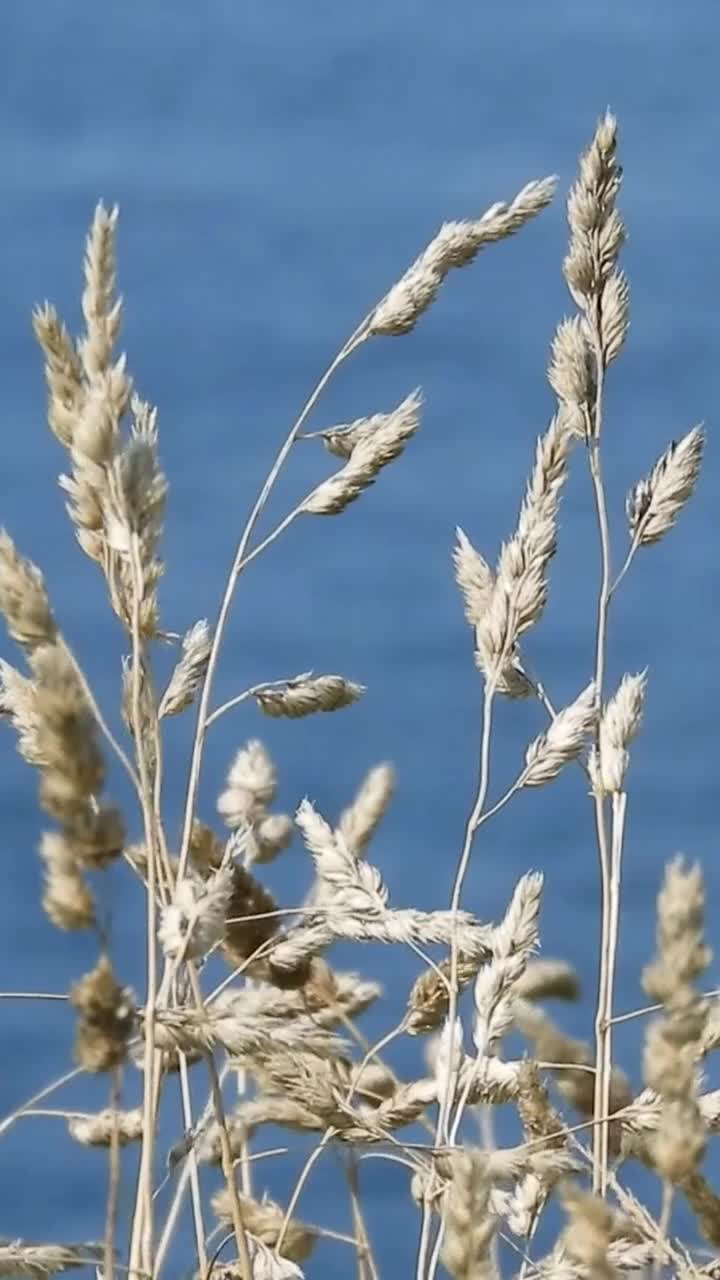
x=308 y=694
x=63 y=373
x=429 y=999
x=342 y=440
x=107 y=1018
x=455 y=245
x=195 y=919
x=372 y=452
x=101 y=310
x=655 y=503
x=40 y=1260
x=67 y=899
x=359 y=822
x=562 y=742
x=249 y=919
x=251 y=785
x=572 y=368
x=268 y=837
x=514 y=940
x=549 y=979
x=619 y=723
x=596 y=230
x=469 y=1222
x=474 y=577
x=100 y=1130
x=189 y=671
x=23 y=599
x=588 y=1234
x=264 y=1220
x=335 y=863
x=520 y=590
x=673 y=1042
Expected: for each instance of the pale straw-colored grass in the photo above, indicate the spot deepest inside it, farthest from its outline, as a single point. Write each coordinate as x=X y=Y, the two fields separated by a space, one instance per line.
x=283 y=1024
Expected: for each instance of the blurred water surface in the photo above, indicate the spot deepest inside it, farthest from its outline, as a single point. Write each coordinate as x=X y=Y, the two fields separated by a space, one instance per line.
x=277 y=166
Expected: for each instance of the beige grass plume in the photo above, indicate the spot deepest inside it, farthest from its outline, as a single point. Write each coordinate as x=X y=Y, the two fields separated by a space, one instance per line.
x=673 y=1042
x=455 y=245
x=305 y=695
x=619 y=723
x=369 y=454
x=654 y=504
x=520 y=588
x=360 y=820
x=562 y=742
x=107 y=1018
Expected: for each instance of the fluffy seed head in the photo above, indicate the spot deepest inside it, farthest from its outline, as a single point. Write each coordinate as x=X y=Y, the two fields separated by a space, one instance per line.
x=655 y=502
x=305 y=695
x=189 y=672
x=371 y=453
x=23 y=598
x=562 y=742
x=455 y=245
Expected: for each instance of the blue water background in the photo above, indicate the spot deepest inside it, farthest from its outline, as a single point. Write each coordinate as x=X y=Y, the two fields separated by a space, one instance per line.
x=277 y=166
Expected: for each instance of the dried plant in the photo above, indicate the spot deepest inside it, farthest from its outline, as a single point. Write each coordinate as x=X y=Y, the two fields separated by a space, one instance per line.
x=281 y=1025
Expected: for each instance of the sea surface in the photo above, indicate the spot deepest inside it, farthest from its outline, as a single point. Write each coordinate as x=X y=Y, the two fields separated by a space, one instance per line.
x=277 y=167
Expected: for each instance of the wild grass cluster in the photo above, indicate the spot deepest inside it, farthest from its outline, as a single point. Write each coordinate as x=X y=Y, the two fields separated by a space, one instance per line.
x=276 y=1046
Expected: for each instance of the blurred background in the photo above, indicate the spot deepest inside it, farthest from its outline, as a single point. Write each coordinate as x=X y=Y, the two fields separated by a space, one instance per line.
x=277 y=167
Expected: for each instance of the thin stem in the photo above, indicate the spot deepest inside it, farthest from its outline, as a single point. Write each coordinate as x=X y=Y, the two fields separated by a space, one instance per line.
x=224 y=1140
x=256 y=688
x=228 y=706
x=619 y=808
x=628 y=561
x=373 y=1051
x=237 y=565
x=174 y=1210
x=198 y=1223
x=114 y=1179
x=663 y=1226
x=142 y=1234
x=32 y=995
x=166 y=889
x=657 y=1008
x=603 y=1030
x=299 y=1185
x=366 y=1268
x=460 y=874
x=425 y=1232
x=45 y=1092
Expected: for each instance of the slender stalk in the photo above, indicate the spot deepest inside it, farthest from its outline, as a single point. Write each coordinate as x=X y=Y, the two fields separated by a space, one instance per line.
x=198 y=1223
x=299 y=1185
x=366 y=1267
x=425 y=1235
x=45 y=1092
x=460 y=874
x=628 y=561
x=657 y=1008
x=113 y=1181
x=32 y=995
x=224 y=1140
x=663 y=1227
x=173 y=1213
x=142 y=1234
x=603 y=1015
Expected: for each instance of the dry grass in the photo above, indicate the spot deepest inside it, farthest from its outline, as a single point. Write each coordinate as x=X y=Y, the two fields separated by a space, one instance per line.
x=282 y=1025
